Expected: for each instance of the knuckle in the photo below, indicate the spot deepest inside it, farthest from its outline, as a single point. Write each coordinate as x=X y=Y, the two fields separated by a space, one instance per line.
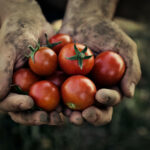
x=109 y=119
x=138 y=74
x=28 y=103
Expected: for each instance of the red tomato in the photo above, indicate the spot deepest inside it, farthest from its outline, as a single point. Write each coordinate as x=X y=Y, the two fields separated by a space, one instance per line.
x=24 y=78
x=60 y=37
x=57 y=78
x=78 y=92
x=108 y=69
x=45 y=61
x=72 y=66
x=45 y=94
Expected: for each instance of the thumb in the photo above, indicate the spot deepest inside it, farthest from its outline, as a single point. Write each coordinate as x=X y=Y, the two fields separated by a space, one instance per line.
x=7 y=59
x=132 y=74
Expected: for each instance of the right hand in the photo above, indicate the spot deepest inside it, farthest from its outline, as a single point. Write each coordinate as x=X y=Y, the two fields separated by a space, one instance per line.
x=22 y=24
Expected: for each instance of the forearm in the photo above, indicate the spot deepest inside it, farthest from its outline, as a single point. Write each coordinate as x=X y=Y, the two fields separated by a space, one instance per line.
x=84 y=8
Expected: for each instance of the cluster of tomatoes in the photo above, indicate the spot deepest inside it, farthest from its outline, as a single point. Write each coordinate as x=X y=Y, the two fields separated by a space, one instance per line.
x=59 y=70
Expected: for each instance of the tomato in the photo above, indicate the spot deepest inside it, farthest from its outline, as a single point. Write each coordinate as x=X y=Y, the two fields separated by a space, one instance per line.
x=78 y=92
x=45 y=61
x=58 y=77
x=45 y=94
x=74 y=61
x=108 y=69
x=24 y=78
x=60 y=37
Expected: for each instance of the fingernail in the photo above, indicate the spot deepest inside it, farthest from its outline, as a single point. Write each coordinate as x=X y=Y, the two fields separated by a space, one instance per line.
x=44 y=118
x=132 y=89
x=55 y=117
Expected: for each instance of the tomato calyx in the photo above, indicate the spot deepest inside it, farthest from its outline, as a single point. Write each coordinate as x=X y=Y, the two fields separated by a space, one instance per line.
x=33 y=51
x=80 y=56
x=51 y=45
x=71 y=105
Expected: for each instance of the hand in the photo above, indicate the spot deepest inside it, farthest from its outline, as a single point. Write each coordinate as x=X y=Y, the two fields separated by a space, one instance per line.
x=22 y=24
x=101 y=34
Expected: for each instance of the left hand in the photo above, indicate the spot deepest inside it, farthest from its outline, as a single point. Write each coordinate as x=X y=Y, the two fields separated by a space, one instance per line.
x=101 y=34
x=21 y=24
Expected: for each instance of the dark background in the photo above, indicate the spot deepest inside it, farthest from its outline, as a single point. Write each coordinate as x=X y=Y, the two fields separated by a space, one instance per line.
x=130 y=126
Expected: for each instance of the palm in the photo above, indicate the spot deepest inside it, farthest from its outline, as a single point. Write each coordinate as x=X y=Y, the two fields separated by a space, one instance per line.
x=102 y=35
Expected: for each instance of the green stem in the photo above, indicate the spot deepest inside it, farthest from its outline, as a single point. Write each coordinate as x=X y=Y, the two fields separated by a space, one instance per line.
x=79 y=56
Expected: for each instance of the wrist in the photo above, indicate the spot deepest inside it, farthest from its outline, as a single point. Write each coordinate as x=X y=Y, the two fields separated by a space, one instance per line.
x=95 y=8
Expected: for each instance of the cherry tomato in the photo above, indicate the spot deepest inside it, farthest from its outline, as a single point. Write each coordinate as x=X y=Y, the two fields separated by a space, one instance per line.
x=24 y=78
x=45 y=61
x=45 y=94
x=78 y=92
x=60 y=37
x=58 y=77
x=74 y=61
x=108 y=69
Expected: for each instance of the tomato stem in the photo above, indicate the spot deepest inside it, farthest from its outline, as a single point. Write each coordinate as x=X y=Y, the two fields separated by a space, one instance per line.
x=80 y=56
x=33 y=51
x=51 y=45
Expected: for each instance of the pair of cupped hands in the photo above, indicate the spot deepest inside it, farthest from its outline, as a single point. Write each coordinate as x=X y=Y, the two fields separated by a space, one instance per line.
x=24 y=27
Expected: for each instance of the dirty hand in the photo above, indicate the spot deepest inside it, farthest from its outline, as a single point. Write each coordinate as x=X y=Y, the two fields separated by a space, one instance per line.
x=22 y=24
x=100 y=34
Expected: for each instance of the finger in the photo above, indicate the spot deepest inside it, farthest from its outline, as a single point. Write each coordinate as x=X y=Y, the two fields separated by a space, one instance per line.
x=56 y=118
x=109 y=97
x=97 y=116
x=59 y=108
x=48 y=29
x=67 y=112
x=76 y=118
x=30 y=118
x=7 y=59
x=133 y=72
x=15 y=102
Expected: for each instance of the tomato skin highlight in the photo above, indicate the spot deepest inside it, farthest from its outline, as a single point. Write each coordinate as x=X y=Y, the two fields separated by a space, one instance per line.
x=45 y=95
x=72 y=67
x=78 y=92
x=24 y=78
x=109 y=68
x=64 y=38
x=45 y=61
x=58 y=77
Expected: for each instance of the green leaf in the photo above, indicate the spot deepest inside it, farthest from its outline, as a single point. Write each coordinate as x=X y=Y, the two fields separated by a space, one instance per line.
x=76 y=49
x=75 y=57
x=80 y=63
x=84 y=50
x=87 y=57
x=54 y=44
